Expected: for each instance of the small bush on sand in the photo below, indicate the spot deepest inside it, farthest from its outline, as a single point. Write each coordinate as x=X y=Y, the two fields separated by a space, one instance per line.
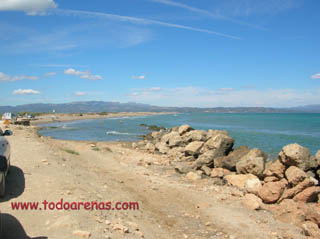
x=70 y=151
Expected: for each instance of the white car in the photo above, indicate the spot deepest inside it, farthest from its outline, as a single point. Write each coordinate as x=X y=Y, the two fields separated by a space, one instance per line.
x=4 y=159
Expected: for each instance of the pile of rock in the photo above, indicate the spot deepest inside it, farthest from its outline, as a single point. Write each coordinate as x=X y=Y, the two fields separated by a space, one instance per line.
x=293 y=176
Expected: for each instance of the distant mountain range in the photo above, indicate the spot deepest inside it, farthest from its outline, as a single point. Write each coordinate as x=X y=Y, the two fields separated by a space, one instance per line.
x=102 y=106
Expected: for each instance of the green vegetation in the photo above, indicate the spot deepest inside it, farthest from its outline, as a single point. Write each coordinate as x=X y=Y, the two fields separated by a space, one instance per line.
x=103 y=113
x=70 y=151
x=21 y=114
x=153 y=127
x=95 y=149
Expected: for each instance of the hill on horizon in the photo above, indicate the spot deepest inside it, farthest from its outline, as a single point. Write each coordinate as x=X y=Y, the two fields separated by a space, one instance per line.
x=102 y=106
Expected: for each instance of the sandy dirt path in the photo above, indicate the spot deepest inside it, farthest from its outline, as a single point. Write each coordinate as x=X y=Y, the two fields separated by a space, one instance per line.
x=169 y=205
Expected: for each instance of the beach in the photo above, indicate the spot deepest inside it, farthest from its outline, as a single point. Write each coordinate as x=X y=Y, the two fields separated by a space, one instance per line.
x=170 y=205
x=63 y=117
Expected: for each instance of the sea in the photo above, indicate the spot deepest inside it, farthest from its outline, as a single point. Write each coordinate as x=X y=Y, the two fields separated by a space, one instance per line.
x=266 y=131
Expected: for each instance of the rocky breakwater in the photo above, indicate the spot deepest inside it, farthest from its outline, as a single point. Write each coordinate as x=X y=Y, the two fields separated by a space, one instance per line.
x=288 y=186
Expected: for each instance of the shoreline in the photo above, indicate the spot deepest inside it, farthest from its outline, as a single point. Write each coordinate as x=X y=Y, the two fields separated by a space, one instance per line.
x=56 y=118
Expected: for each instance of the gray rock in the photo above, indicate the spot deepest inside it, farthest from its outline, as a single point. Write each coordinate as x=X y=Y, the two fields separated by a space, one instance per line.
x=184 y=129
x=196 y=135
x=218 y=161
x=193 y=148
x=311 y=173
x=317 y=156
x=206 y=159
x=220 y=142
x=250 y=164
x=193 y=176
x=295 y=155
x=256 y=153
x=162 y=148
x=211 y=133
x=176 y=140
x=230 y=161
x=295 y=175
x=206 y=170
x=219 y=181
x=274 y=169
x=183 y=168
x=165 y=138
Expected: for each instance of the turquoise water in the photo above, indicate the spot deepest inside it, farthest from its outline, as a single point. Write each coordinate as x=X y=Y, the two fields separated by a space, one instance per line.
x=269 y=132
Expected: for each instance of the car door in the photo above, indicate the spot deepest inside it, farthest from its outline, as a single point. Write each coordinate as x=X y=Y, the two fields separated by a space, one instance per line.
x=4 y=147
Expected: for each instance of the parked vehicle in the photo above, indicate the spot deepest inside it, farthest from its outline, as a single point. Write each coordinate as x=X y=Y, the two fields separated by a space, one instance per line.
x=4 y=159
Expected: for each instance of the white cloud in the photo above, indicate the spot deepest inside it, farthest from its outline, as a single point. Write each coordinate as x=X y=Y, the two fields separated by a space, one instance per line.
x=80 y=93
x=50 y=74
x=140 y=21
x=30 y=7
x=154 y=89
x=5 y=77
x=204 y=12
x=201 y=97
x=82 y=74
x=316 y=76
x=255 y=7
x=25 y=92
x=226 y=89
x=139 y=77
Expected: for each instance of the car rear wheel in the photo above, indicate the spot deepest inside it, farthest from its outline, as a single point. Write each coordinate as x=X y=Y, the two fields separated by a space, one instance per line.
x=2 y=184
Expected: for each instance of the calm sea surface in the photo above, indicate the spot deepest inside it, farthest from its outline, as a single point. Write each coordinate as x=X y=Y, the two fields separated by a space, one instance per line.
x=269 y=132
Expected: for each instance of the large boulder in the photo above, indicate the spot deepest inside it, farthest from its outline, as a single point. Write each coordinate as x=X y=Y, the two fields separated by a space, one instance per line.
x=206 y=170
x=176 y=140
x=157 y=135
x=183 y=168
x=317 y=157
x=255 y=153
x=165 y=138
x=184 y=129
x=219 y=172
x=191 y=176
x=270 y=179
x=230 y=161
x=295 y=175
x=206 y=159
x=311 y=229
x=196 y=135
x=177 y=152
x=295 y=155
x=239 y=180
x=253 y=185
x=252 y=202
x=211 y=133
x=271 y=192
x=162 y=147
x=310 y=194
x=290 y=211
x=274 y=169
x=150 y=147
x=291 y=192
x=218 y=161
x=220 y=142
x=313 y=213
x=253 y=165
x=193 y=148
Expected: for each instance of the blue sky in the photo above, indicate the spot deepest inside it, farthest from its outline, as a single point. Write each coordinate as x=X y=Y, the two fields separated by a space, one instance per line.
x=203 y=53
